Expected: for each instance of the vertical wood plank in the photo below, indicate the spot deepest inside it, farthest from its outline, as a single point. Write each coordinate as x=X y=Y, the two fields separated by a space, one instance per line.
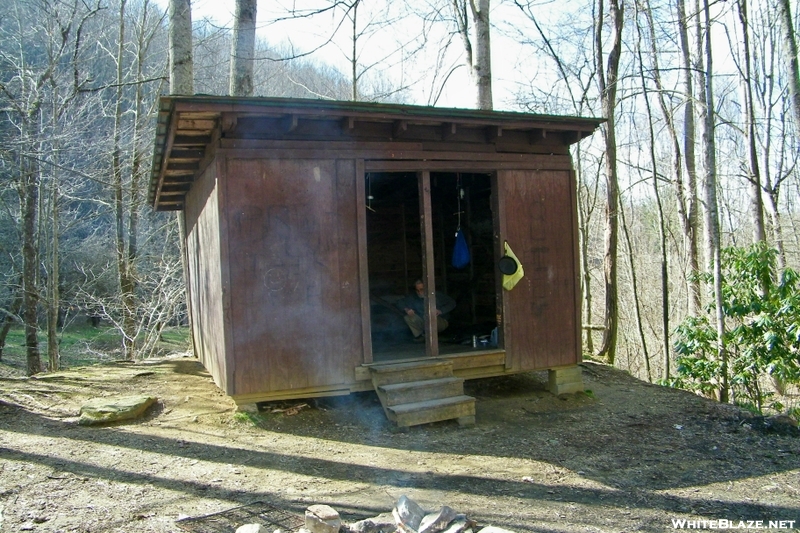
x=499 y=225
x=573 y=189
x=363 y=263
x=221 y=167
x=348 y=351
x=428 y=266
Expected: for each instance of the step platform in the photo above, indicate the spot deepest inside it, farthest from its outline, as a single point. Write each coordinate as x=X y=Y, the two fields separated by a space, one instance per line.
x=421 y=392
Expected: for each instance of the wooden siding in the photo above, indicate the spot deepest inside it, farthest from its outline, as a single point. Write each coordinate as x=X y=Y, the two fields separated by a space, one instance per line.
x=540 y=313
x=293 y=254
x=205 y=278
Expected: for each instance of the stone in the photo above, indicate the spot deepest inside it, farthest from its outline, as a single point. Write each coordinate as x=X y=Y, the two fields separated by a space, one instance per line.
x=323 y=519
x=383 y=523
x=493 y=529
x=106 y=410
x=436 y=522
x=251 y=528
x=407 y=514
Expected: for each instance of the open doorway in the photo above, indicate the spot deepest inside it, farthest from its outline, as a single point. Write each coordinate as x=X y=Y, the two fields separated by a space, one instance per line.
x=395 y=251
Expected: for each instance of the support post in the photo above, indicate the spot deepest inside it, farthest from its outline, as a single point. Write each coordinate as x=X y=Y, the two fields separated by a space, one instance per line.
x=565 y=380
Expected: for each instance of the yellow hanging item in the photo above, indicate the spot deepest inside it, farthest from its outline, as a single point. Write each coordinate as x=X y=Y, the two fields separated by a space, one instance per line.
x=510 y=280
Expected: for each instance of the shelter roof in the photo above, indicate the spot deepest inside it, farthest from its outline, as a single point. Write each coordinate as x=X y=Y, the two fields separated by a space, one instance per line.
x=189 y=127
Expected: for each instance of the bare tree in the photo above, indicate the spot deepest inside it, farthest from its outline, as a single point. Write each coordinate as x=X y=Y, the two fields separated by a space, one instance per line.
x=662 y=231
x=711 y=205
x=607 y=70
x=751 y=165
x=686 y=192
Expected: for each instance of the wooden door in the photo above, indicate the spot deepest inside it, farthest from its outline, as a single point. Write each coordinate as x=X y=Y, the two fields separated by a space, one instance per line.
x=541 y=315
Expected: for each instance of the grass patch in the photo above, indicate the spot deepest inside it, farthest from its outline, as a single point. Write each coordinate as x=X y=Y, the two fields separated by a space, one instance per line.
x=82 y=345
x=246 y=418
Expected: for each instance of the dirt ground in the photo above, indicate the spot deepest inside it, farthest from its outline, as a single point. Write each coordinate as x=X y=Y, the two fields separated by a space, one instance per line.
x=625 y=456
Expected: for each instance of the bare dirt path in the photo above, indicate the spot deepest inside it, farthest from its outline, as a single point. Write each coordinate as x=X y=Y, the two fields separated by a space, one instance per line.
x=627 y=456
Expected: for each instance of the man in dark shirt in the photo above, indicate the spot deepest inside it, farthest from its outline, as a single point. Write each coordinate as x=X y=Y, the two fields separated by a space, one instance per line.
x=413 y=306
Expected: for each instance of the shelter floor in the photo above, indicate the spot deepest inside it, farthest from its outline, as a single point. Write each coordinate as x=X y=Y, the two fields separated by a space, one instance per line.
x=416 y=350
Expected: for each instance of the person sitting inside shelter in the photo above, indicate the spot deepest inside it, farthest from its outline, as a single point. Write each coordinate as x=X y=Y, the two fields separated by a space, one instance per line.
x=414 y=307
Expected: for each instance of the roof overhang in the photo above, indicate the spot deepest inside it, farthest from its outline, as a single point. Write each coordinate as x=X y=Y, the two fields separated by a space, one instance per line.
x=189 y=125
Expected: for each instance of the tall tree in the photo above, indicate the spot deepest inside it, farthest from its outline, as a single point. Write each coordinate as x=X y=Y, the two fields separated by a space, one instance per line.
x=662 y=231
x=752 y=167
x=243 y=48
x=124 y=267
x=607 y=70
x=687 y=193
x=711 y=204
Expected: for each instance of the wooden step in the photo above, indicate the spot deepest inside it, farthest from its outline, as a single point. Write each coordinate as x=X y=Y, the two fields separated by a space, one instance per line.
x=419 y=391
x=412 y=414
x=411 y=371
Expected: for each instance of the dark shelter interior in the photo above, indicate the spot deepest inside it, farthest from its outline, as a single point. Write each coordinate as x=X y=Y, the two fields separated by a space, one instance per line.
x=394 y=249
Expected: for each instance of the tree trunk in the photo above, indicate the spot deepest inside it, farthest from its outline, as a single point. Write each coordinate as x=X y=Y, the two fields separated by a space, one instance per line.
x=790 y=49
x=608 y=91
x=754 y=179
x=354 y=55
x=662 y=231
x=180 y=47
x=243 y=48
x=124 y=273
x=9 y=319
x=584 y=215
x=689 y=205
x=482 y=70
x=53 y=297
x=635 y=290
x=30 y=262
x=479 y=62
x=713 y=244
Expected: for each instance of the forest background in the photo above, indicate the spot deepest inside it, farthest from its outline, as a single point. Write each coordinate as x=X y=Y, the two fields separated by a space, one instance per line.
x=696 y=163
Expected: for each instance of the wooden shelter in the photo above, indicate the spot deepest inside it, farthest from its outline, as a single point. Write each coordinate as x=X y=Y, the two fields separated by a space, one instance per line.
x=307 y=220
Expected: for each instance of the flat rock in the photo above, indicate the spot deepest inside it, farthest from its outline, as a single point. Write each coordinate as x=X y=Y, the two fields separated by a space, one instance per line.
x=105 y=410
x=322 y=519
x=383 y=523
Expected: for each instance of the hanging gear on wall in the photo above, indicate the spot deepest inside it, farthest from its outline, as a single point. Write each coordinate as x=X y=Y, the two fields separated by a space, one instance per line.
x=511 y=268
x=461 y=256
x=369 y=194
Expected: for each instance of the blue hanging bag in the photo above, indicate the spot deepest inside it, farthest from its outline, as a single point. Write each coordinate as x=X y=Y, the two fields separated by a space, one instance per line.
x=460 y=250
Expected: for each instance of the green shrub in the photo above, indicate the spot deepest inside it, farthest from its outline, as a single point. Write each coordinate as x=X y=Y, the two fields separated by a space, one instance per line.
x=762 y=334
